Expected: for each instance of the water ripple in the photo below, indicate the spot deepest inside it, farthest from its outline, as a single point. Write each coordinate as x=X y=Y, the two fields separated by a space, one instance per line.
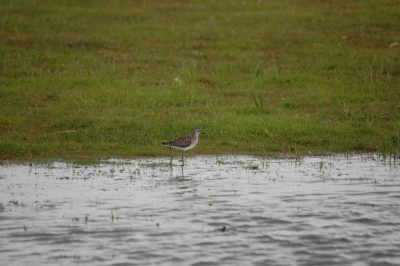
x=214 y=211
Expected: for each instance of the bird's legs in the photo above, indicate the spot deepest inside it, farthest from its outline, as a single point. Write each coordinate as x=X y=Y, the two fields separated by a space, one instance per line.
x=172 y=156
x=183 y=160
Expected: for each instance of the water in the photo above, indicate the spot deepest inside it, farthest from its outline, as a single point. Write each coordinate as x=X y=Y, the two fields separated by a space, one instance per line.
x=216 y=210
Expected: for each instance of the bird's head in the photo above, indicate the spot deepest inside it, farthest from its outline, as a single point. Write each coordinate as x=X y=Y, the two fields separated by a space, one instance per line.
x=197 y=131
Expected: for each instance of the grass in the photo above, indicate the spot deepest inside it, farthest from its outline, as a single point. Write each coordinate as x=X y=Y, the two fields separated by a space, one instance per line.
x=260 y=77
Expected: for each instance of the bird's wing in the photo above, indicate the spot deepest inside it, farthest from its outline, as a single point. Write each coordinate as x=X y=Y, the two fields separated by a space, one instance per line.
x=184 y=141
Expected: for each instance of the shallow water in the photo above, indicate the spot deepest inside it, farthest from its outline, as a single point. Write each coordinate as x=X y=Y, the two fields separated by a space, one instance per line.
x=214 y=211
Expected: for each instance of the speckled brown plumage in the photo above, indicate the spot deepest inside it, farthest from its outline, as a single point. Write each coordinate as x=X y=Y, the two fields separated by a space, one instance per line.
x=186 y=142
x=182 y=142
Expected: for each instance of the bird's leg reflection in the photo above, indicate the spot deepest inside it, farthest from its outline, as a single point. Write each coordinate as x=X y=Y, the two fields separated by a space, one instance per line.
x=182 y=171
x=180 y=177
x=171 y=168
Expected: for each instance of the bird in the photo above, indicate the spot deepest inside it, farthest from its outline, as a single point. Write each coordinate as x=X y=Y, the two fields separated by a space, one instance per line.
x=184 y=143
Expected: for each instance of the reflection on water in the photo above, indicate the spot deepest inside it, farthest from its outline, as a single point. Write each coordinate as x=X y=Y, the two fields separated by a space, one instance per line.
x=214 y=211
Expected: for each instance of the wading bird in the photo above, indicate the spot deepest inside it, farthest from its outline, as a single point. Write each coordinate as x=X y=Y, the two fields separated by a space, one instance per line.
x=184 y=143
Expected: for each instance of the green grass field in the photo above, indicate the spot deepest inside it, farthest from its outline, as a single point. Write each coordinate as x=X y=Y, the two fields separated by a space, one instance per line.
x=259 y=77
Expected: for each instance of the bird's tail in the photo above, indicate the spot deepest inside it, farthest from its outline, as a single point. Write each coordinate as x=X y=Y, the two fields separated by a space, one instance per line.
x=167 y=143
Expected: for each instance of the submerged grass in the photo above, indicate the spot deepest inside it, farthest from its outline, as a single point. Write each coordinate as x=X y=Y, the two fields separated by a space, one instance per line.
x=99 y=78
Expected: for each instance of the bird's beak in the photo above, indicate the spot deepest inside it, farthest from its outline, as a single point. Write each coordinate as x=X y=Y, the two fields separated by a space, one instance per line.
x=202 y=132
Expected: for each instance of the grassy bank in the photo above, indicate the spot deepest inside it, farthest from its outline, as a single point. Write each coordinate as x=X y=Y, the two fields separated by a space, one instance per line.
x=116 y=78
